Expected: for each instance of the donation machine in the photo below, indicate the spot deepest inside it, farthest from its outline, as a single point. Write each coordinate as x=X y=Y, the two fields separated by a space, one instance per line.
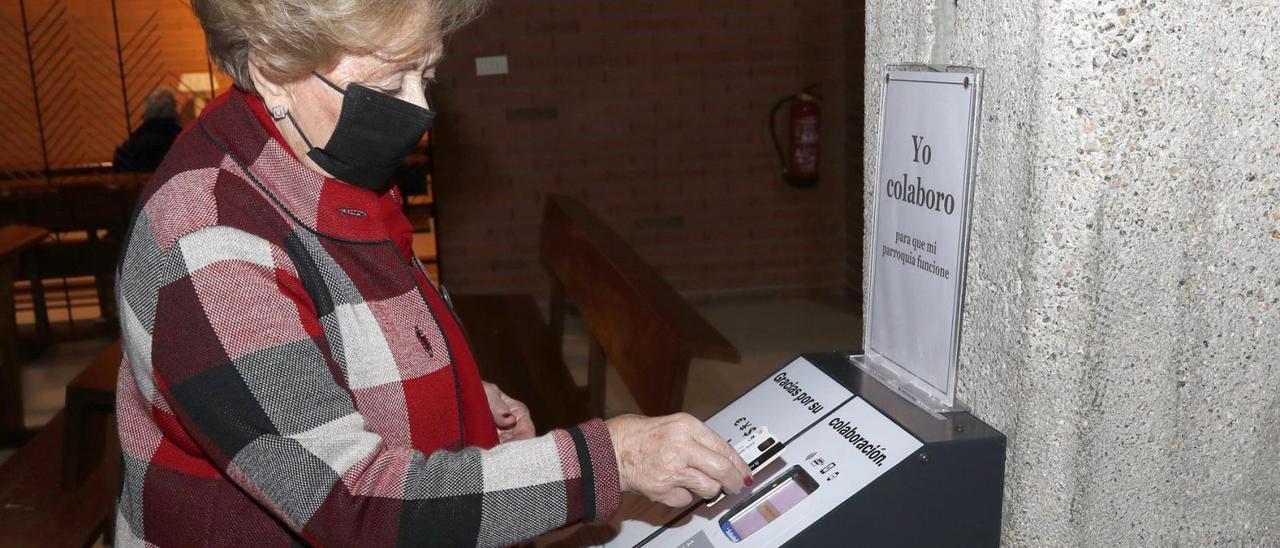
x=872 y=448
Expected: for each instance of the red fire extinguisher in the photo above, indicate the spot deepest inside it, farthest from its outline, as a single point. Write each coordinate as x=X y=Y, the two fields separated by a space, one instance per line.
x=800 y=164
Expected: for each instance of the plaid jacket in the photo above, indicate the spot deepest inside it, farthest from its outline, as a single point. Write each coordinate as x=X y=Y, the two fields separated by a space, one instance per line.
x=290 y=375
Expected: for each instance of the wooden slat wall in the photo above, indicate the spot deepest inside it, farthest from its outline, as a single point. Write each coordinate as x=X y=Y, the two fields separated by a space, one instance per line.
x=78 y=75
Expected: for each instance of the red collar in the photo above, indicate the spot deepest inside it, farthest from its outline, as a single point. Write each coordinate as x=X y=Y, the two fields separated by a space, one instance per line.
x=324 y=204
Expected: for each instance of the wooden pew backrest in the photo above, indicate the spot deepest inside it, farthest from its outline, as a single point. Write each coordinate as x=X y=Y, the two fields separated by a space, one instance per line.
x=643 y=325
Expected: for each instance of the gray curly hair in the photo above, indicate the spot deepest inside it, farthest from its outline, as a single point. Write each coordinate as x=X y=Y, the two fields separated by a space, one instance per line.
x=291 y=38
x=160 y=103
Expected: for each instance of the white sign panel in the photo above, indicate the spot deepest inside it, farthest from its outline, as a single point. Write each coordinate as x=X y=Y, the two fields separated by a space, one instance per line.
x=830 y=455
x=928 y=142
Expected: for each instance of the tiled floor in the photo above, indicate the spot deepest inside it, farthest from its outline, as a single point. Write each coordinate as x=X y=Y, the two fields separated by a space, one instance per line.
x=767 y=333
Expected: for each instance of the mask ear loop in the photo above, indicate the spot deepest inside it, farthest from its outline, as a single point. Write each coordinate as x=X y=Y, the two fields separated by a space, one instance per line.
x=299 y=128
x=289 y=114
x=331 y=84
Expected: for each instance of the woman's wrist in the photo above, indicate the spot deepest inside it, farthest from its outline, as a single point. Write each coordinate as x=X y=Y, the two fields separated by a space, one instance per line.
x=617 y=427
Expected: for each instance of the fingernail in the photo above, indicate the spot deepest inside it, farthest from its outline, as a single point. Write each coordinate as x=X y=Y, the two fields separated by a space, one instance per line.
x=746 y=480
x=506 y=415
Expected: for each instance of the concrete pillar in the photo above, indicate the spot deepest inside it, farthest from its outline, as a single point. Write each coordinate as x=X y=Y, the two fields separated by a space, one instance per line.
x=1122 y=323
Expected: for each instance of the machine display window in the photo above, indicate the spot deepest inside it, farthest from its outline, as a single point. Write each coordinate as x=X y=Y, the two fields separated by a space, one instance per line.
x=768 y=504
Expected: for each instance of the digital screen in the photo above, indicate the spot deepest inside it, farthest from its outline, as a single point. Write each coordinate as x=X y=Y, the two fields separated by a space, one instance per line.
x=768 y=505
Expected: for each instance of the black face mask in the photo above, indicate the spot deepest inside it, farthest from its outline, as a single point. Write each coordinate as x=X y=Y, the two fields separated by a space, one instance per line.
x=374 y=134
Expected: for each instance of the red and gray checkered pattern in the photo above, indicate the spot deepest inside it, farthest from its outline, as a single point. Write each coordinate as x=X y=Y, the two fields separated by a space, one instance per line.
x=291 y=376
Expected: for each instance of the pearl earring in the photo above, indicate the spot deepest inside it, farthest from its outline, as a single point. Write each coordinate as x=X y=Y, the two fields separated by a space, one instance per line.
x=278 y=112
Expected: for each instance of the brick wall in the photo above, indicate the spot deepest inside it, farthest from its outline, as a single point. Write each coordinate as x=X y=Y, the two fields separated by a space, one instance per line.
x=654 y=112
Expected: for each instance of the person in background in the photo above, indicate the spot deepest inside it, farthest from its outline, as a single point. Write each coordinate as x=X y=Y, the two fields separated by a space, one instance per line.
x=290 y=374
x=150 y=142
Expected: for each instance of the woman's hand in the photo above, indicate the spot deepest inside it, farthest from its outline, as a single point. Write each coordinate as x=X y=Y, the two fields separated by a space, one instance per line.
x=510 y=416
x=675 y=458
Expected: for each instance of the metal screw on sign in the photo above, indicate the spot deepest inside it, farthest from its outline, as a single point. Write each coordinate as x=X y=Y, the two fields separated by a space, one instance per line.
x=966 y=82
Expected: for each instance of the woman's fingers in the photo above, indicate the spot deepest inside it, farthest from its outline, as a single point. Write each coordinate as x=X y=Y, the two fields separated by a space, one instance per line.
x=522 y=428
x=715 y=467
x=675 y=497
x=700 y=484
x=502 y=415
x=712 y=441
x=510 y=416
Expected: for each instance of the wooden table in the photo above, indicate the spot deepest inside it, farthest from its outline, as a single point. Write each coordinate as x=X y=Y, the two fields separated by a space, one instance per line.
x=14 y=241
x=71 y=203
x=76 y=204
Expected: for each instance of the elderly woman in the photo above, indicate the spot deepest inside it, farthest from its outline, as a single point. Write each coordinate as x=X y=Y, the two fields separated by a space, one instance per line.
x=290 y=373
x=149 y=143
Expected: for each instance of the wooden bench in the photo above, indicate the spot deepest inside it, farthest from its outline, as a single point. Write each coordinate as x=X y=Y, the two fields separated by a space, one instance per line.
x=91 y=402
x=59 y=488
x=515 y=349
x=36 y=511
x=635 y=320
x=15 y=242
